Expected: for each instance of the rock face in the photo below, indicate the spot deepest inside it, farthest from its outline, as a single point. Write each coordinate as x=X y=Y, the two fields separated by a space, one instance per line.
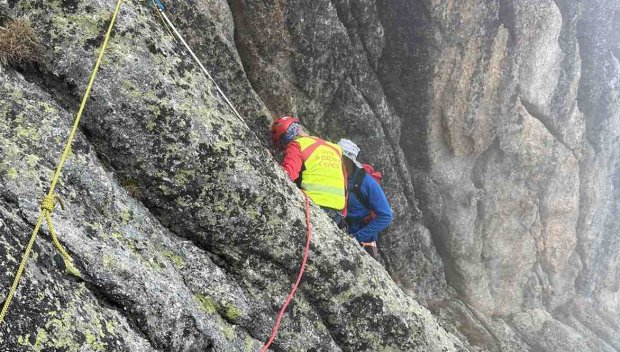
x=496 y=124
x=186 y=231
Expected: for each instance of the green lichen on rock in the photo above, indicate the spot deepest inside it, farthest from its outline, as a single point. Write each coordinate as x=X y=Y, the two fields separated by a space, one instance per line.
x=174 y=258
x=231 y=312
x=19 y=133
x=87 y=25
x=93 y=343
x=126 y=216
x=110 y=326
x=249 y=345
x=207 y=303
x=117 y=235
x=69 y=328
x=229 y=332
x=39 y=340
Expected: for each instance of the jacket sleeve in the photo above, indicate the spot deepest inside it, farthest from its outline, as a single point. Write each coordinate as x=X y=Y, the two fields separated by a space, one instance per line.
x=379 y=204
x=292 y=161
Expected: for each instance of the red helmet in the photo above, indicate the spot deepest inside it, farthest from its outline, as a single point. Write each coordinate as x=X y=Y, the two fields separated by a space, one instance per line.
x=279 y=127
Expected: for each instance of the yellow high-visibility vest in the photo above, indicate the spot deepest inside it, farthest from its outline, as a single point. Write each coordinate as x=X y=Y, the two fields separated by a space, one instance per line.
x=323 y=177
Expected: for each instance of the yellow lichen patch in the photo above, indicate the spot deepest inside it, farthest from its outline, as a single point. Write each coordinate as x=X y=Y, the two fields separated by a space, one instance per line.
x=108 y=261
x=67 y=329
x=126 y=216
x=110 y=327
x=231 y=312
x=183 y=177
x=249 y=344
x=82 y=25
x=229 y=332
x=207 y=303
x=176 y=259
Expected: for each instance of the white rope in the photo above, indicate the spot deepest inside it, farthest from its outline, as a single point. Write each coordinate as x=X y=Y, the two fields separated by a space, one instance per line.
x=204 y=70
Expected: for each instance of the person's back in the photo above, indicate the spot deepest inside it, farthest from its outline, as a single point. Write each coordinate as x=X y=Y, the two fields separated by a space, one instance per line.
x=322 y=177
x=314 y=164
x=368 y=210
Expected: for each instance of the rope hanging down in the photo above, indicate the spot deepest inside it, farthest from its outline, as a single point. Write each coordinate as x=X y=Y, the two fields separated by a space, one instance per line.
x=160 y=9
x=48 y=203
x=302 y=267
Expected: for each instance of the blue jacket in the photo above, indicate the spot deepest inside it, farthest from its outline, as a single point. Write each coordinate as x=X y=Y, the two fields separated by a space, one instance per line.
x=356 y=210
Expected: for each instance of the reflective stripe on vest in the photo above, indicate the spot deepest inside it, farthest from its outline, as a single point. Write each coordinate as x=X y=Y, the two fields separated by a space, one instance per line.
x=322 y=188
x=323 y=178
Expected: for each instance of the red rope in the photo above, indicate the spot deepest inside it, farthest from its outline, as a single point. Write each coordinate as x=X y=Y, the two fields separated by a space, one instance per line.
x=274 y=332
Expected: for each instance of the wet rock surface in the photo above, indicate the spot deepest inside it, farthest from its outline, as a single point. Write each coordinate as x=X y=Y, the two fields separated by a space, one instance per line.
x=495 y=123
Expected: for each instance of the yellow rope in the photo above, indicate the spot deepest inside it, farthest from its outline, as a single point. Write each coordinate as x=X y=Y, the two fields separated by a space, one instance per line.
x=48 y=203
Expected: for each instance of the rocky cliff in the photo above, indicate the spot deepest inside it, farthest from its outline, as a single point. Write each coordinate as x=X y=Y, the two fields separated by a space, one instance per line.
x=496 y=124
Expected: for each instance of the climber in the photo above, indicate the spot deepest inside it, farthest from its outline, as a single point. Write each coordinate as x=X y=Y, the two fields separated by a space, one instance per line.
x=368 y=211
x=314 y=164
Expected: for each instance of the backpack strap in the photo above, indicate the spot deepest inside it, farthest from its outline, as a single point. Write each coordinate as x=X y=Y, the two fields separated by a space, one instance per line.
x=357 y=185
